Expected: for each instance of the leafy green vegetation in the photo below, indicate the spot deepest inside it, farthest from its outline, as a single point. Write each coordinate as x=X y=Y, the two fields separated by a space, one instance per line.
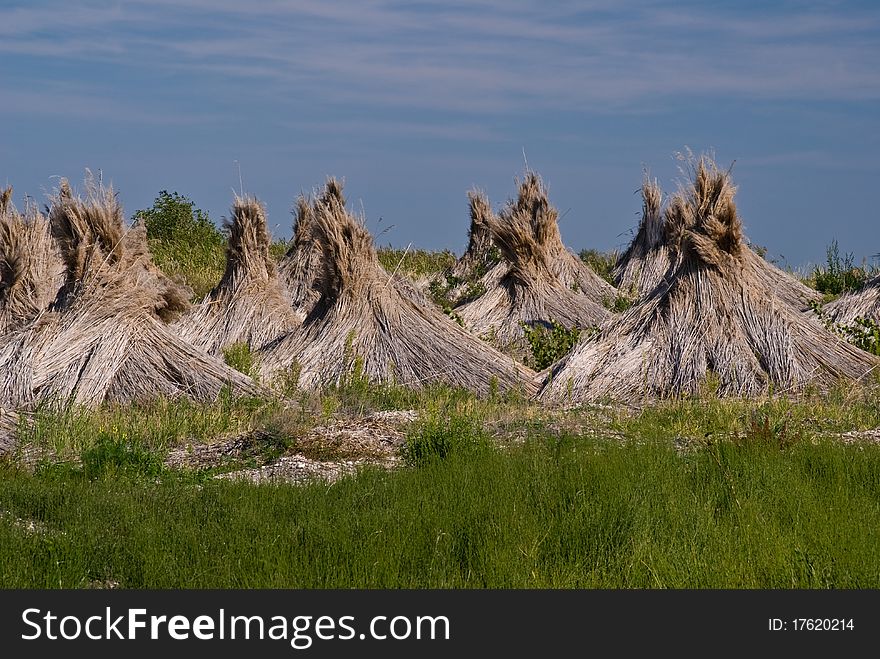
x=184 y=242
x=863 y=333
x=601 y=262
x=549 y=344
x=840 y=275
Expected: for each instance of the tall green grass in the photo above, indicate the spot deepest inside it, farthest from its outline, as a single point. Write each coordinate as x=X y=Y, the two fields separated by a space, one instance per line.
x=555 y=511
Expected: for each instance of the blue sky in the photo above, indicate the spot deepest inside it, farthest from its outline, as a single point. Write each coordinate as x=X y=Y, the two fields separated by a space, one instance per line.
x=413 y=103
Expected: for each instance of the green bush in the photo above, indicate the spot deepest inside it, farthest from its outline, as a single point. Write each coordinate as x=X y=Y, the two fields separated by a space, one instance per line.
x=839 y=275
x=184 y=242
x=549 y=344
x=601 y=262
x=173 y=217
x=863 y=333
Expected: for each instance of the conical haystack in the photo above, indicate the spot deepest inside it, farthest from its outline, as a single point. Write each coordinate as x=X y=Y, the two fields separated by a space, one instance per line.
x=713 y=327
x=31 y=271
x=478 y=257
x=864 y=303
x=363 y=324
x=249 y=305
x=88 y=228
x=104 y=340
x=532 y=200
x=785 y=286
x=642 y=266
x=572 y=272
x=530 y=292
x=301 y=266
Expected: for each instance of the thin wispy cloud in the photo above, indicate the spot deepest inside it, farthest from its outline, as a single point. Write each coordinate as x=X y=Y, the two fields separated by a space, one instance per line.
x=449 y=91
x=491 y=57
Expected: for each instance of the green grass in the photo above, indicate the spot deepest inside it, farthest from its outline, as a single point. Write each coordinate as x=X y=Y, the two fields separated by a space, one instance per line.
x=601 y=262
x=415 y=263
x=554 y=511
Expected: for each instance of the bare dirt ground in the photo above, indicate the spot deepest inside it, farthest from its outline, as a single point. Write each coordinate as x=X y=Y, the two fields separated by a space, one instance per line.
x=325 y=452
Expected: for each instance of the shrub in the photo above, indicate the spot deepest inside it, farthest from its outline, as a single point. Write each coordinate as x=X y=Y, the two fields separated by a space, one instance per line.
x=601 y=262
x=184 y=242
x=840 y=275
x=863 y=333
x=550 y=343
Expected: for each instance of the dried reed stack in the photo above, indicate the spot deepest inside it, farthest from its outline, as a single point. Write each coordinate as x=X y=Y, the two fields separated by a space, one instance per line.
x=786 y=287
x=532 y=200
x=249 y=305
x=8 y=427
x=572 y=272
x=31 y=271
x=301 y=267
x=864 y=303
x=363 y=324
x=93 y=238
x=713 y=327
x=105 y=340
x=477 y=256
x=642 y=266
x=530 y=292
x=301 y=264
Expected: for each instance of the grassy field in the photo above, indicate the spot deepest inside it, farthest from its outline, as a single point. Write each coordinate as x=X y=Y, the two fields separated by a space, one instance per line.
x=686 y=494
x=484 y=493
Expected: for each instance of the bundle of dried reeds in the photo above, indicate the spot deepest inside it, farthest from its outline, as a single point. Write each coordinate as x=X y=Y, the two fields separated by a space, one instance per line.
x=531 y=292
x=363 y=325
x=301 y=266
x=105 y=340
x=8 y=427
x=714 y=326
x=864 y=303
x=249 y=305
x=645 y=262
x=93 y=238
x=31 y=271
x=477 y=258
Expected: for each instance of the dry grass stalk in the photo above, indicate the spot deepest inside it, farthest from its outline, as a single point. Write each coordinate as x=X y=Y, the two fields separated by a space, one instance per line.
x=714 y=327
x=31 y=271
x=645 y=262
x=105 y=341
x=530 y=292
x=249 y=305
x=93 y=238
x=364 y=324
x=864 y=303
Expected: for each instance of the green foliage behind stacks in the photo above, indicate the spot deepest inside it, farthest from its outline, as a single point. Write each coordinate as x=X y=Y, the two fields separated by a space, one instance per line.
x=184 y=241
x=840 y=275
x=549 y=344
